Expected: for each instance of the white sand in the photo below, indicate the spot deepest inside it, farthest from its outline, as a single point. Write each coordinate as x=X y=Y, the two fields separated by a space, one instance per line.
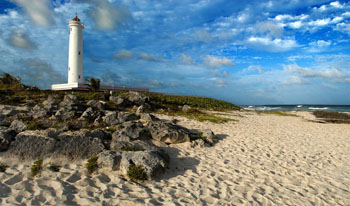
x=260 y=160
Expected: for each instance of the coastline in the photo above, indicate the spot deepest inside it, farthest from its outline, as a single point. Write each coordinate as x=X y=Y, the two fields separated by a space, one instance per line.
x=260 y=159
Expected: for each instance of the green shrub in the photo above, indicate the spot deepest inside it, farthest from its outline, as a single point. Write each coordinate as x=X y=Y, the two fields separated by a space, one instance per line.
x=3 y=167
x=54 y=168
x=34 y=126
x=91 y=164
x=36 y=167
x=136 y=172
x=132 y=149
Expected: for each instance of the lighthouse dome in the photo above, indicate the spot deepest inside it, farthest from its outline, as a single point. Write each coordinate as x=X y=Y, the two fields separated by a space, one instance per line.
x=76 y=18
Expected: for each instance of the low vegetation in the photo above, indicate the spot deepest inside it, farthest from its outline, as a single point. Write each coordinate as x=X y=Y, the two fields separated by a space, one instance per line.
x=91 y=164
x=198 y=102
x=334 y=117
x=136 y=173
x=278 y=113
x=132 y=149
x=3 y=167
x=36 y=167
x=54 y=168
x=201 y=116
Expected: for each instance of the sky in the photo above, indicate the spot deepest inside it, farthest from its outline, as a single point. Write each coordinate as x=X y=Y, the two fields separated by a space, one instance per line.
x=245 y=52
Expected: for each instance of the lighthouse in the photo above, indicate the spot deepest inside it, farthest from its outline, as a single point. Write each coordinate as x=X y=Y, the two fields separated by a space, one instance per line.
x=75 y=57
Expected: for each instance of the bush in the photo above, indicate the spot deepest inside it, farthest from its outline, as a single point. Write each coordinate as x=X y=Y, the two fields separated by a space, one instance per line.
x=54 y=168
x=132 y=149
x=3 y=167
x=136 y=172
x=94 y=84
x=91 y=164
x=36 y=167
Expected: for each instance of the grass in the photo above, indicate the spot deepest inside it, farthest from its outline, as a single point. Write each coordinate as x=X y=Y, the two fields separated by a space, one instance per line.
x=36 y=167
x=54 y=168
x=201 y=116
x=136 y=172
x=334 y=117
x=199 y=102
x=278 y=113
x=3 y=167
x=91 y=164
x=131 y=149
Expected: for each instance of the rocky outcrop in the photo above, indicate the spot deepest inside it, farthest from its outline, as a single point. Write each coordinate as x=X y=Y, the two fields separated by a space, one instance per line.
x=18 y=126
x=209 y=136
x=131 y=131
x=168 y=132
x=153 y=162
x=109 y=159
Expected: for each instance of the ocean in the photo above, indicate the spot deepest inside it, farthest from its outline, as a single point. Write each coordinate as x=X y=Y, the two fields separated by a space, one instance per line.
x=294 y=107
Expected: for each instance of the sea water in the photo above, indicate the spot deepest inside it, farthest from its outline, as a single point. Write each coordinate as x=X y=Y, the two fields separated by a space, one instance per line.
x=295 y=107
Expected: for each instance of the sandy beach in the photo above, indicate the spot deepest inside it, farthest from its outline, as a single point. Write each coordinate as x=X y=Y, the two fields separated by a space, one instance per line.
x=260 y=160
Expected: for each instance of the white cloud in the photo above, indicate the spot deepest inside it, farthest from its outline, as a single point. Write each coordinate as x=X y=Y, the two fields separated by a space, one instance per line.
x=272 y=45
x=319 y=22
x=202 y=35
x=294 y=80
x=20 y=40
x=318 y=46
x=330 y=73
x=187 y=60
x=296 y=24
x=217 y=62
x=337 y=19
x=331 y=86
x=148 y=57
x=123 y=54
x=336 y=4
x=38 y=10
x=107 y=16
x=257 y=68
x=270 y=29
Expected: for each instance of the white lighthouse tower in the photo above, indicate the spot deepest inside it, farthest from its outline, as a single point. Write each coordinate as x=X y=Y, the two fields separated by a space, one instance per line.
x=75 y=57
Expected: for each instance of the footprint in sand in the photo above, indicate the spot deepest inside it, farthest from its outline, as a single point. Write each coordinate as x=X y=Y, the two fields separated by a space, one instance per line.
x=14 y=179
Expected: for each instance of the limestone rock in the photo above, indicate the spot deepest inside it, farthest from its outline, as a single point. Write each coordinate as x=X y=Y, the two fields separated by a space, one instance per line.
x=127 y=116
x=186 y=108
x=137 y=144
x=111 y=119
x=199 y=143
x=109 y=159
x=50 y=104
x=209 y=136
x=130 y=131
x=18 y=126
x=168 y=132
x=153 y=162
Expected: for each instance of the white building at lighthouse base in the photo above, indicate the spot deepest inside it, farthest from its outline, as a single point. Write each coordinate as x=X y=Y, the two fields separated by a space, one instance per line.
x=71 y=86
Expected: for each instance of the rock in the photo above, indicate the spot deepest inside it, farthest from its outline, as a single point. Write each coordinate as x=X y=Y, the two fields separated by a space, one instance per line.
x=90 y=114
x=118 y=101
x=5 y=140
x=100 y=105
x=168 y=132
x=50 y=104
x=127 y=116
x=186 y=108
x=64 y=114
x=98 y=121
x=137 y=144
x=153 y=162
x=131 y=131
x=38 y=112
x=109 y=159
x=111 y=119
x=78 y=146
x=18 y=126
x=199 y=143
x=8 y=110
x=136 y=98
x=209 y=136
x=148 y=117
x=139 y=110
x=30 y=145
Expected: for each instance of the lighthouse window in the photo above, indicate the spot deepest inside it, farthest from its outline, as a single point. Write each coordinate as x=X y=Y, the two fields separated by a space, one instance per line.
x=79 y=52
x=79 y=76
x=68 y=68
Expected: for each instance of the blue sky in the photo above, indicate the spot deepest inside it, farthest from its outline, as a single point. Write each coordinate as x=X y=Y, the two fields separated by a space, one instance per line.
x=245 y=52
